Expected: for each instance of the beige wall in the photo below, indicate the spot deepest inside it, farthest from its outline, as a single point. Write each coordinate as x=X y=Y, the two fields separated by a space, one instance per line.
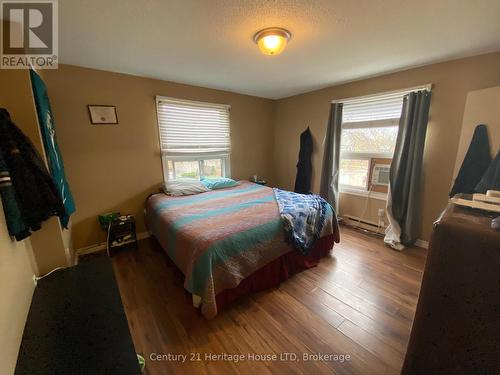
x=116 y=167
x=452 y=80
x=16 y=290
x=363 y=208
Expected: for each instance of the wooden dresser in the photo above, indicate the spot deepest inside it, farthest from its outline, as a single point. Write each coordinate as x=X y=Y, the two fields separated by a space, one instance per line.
x=457 y=322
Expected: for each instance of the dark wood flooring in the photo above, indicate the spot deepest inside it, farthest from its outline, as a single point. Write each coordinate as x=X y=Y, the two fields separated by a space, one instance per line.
x=360 y=301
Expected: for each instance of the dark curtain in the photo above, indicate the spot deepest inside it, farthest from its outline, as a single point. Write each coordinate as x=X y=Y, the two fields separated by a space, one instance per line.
x=404 y=203
x=329 y=187
x=304 y=165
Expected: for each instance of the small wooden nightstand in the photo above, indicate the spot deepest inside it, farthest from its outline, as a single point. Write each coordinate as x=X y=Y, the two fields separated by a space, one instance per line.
x=121 y=233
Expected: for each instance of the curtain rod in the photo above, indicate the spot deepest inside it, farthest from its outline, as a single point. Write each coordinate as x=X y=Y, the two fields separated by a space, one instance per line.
x=427 y=87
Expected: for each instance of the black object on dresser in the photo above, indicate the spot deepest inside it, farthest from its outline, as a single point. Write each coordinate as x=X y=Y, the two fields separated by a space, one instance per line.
x=77 y=325
x=457 y=322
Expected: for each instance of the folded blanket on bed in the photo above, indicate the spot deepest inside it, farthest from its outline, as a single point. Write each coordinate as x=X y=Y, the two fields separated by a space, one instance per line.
x=303 y=216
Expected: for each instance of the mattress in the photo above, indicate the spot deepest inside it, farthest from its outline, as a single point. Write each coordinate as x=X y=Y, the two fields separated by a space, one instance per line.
x=220 y=237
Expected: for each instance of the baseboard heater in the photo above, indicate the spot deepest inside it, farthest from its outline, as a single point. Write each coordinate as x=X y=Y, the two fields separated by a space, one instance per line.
x=365 y=225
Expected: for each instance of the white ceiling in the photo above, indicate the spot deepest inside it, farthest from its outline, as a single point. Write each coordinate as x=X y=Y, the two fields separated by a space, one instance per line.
x=209 y=42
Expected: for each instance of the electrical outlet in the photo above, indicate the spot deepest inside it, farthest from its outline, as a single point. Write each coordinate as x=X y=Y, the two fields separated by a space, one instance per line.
x=381 y=212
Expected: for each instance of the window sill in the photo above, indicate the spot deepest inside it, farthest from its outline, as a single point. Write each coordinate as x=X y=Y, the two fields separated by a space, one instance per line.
x=364 y=193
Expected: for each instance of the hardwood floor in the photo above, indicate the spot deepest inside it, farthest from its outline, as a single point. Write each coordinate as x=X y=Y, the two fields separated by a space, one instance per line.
x=359 y=301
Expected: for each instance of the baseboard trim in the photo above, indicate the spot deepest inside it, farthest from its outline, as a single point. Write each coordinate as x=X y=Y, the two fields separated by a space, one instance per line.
x=102 y=246
x=143 y=235
x=370 y=226
x=423 y=244
x=353 y=221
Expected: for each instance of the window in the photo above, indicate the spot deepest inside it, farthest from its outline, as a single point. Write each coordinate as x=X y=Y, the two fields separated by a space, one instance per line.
x=369 y=132
x=208 y=168
x=194 y=138
x=354 y=172
x=363 y=143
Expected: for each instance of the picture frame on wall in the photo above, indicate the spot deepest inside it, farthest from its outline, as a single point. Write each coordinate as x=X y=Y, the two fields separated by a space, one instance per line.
x=102 y=114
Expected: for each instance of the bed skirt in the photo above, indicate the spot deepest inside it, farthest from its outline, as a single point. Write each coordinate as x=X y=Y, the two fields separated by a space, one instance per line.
x=276 y=272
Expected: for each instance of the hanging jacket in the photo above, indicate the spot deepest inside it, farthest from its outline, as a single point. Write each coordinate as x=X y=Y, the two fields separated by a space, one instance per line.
x=476 y=161
x=32 y=196
x=491 y=178
x=15 y=223
x=304 y=165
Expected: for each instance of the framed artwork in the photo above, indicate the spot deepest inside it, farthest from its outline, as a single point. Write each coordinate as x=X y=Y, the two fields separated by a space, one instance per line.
x=102 y=114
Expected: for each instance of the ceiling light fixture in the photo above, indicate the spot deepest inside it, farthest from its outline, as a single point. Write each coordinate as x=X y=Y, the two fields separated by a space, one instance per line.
x=272 y=41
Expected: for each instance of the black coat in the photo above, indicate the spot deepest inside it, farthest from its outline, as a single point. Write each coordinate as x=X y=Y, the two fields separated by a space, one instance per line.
x=36 y=195
x=491 y=178
x=476 y=161
x=304 y=166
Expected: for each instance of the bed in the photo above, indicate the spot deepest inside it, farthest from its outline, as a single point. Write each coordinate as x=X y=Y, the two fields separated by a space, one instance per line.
x=230 y=242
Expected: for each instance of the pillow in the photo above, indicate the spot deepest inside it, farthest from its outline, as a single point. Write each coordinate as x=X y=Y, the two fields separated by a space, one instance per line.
x=218 y=183
x=184 y=186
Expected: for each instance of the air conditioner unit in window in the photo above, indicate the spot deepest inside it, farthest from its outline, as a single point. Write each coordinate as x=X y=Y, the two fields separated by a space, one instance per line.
x=380 y=174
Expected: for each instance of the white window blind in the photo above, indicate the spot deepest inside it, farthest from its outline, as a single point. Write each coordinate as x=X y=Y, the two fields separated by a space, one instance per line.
x=383 y=106
x=188 y=127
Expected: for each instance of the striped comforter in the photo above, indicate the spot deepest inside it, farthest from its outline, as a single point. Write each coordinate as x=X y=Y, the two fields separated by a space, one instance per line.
x=220 y=237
